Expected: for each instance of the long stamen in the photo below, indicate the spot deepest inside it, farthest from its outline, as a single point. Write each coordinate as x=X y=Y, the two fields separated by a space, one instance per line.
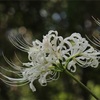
x=17 y=45
x=16 y=67
x=13 y=83
x=26 y=41
x=92 y=41
x=20 y=42
x=18 y=58
x=16 y=72
x=15 y=80
x=97 y=22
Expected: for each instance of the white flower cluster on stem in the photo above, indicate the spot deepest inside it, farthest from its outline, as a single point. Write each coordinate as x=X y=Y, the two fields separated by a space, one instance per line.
x=51 y=56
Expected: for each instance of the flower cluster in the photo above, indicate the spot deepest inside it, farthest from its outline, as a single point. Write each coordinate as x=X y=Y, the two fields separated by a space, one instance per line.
x=51 y=56
x=79 y=52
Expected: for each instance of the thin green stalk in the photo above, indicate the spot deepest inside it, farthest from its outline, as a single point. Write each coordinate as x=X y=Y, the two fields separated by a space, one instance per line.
x=81 y=84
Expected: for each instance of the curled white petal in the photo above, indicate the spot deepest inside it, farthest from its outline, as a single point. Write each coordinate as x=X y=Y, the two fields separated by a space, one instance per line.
x=71 y=66
x=32 y=87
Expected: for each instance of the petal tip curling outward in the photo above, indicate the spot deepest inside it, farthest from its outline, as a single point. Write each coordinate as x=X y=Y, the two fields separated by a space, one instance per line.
x=71 y=66
x=47 y=58
x=52 y=31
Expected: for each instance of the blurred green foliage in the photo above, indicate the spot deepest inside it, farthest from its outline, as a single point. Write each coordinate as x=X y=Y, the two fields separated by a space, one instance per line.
x=35 y=18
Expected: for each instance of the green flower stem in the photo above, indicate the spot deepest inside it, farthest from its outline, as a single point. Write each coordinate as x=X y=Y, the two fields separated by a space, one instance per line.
x=81 y=84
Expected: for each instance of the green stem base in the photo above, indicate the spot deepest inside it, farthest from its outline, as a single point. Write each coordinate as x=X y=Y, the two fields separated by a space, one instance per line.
x=81 y=84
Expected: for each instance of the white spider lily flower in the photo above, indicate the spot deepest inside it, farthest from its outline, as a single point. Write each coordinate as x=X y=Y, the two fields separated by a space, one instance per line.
x=42 y=56
x=43 y=72
x=50 y=57
x=80 y=52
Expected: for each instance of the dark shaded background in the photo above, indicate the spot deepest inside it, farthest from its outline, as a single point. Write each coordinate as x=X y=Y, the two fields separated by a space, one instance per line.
x=35 y=18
